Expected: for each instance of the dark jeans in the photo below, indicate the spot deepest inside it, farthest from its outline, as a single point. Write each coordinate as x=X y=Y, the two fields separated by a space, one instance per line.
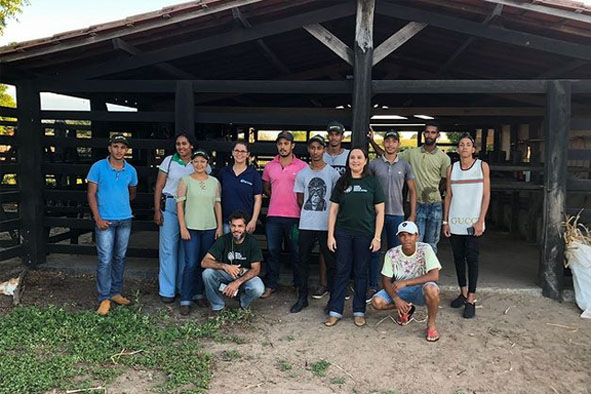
x=195 y=249
x=465 y=250
x=279 y=229
x=307 y=240
x=391 y=223
x=353 y=255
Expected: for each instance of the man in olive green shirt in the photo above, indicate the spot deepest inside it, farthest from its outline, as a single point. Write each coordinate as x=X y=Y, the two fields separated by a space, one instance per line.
x=429 y=164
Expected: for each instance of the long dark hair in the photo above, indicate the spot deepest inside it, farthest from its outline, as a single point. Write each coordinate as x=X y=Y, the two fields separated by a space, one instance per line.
x=189 y=138
x=345 y=179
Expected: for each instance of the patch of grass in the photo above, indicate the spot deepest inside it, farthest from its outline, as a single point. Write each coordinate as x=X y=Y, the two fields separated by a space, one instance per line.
x=266 y=344
x=290 y=338
x=231 y=355
x=339 y=381
x=283 y=366
x=47 y=348
x=319 y=368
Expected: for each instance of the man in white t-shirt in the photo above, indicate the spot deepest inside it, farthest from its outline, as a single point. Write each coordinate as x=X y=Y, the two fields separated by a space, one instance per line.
x=410 y=276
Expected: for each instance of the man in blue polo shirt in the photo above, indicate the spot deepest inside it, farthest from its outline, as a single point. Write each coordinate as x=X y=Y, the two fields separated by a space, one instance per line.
x=112 y=185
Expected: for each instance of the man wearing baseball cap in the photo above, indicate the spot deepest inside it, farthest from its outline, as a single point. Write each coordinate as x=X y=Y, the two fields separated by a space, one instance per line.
x=284 y=212
x=410 y=276
x=392 y=173
x=112 y=184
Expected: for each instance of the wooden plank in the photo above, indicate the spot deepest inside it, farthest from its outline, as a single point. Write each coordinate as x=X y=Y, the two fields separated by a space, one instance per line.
x=184 y=108
x=362 y=71
x=129 y=30
x=30 y=175
x=106 y=116
x=8 y=140
x=10 y=168
x=396 y=40
x=502 y=185
x=8 y=112
x=171 y=70
x=459 y=86
x=579 y=154
x=12 y=252
x=513 y=37
x=580 y=123
x=202 y=45
x=331 y=41
x=82 y=169
x=542 y=9
x=556 y=161
x=91 y=250
x=578 y=185
x=80 y=195
x=10 y=196
x=513 y=168
x=10 y=224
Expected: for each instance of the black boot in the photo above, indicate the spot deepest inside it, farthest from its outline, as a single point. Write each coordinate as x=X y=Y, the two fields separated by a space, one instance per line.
x=301 y=303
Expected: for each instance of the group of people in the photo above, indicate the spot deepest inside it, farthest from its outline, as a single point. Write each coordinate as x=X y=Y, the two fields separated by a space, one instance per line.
x=340 y=200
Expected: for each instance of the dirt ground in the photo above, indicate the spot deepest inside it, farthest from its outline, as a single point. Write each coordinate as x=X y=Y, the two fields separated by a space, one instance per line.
x=516 y=344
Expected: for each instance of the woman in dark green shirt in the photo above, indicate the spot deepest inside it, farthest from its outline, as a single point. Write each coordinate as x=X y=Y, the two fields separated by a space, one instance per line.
x=355 y=224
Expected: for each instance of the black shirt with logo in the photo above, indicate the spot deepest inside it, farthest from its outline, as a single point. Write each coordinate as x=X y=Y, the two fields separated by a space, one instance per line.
x=226 y=250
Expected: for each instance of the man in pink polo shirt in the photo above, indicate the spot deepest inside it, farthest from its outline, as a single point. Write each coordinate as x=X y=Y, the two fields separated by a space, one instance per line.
x=284 y=212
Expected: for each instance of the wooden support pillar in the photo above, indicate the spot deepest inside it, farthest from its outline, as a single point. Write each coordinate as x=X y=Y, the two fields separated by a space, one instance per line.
x=30 y=178
x=557 y=127
x=362 y=91
x=184 y=108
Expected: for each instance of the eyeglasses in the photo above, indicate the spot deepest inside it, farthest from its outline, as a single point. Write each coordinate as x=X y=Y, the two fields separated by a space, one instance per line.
x=239 y=151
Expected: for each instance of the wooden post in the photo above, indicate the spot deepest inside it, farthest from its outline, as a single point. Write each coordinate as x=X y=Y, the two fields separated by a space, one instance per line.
x=362 y=91
x=557 y=127
x=30 y=179
x=184 y=108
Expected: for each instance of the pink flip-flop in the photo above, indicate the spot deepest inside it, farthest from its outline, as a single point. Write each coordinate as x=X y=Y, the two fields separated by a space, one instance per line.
x=404 y=318
x=432 y=335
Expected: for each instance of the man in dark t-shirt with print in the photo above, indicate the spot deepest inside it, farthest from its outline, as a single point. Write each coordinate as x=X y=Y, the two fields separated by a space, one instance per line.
x=231 y=266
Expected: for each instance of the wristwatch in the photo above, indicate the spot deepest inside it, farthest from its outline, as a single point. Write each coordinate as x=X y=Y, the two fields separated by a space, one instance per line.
x=444 y=222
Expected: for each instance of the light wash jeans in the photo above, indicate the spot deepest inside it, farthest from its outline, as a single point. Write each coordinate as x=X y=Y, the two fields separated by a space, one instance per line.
x=248 y=291
x=391 y=223
x=429 y=217
x=170 y=252
x=111 y=245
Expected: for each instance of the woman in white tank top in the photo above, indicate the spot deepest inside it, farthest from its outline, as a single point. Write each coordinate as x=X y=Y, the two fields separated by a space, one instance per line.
x=466 y=204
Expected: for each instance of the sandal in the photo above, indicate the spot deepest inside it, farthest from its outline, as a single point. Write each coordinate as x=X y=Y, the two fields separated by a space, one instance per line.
x=432 y=335
x=404 y=318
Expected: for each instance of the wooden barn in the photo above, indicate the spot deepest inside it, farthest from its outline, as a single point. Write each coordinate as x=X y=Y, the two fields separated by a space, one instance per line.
x=514 y=73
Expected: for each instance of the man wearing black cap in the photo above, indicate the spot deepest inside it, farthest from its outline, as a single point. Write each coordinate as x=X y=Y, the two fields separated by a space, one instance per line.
x=112 y=184
x=284 y=212
x=314 y=186
x=392 y=173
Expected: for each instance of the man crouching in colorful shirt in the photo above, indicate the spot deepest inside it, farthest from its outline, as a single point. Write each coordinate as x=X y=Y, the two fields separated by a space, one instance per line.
x=410 y=276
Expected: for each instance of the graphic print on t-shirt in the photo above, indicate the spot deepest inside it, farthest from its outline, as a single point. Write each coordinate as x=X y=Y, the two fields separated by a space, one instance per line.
x=316 y=194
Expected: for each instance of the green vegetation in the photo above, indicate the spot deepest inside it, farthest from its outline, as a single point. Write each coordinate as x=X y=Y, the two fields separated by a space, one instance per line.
x=319 y=368
x=47 y=348
x=339 y=381
x=283 y=366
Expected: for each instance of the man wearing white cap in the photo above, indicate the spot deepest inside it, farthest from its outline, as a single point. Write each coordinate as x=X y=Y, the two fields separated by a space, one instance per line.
x=410 y=276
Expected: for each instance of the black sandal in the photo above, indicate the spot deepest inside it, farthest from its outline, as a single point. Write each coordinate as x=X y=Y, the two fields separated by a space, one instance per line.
x=458 y=302
x=470 y=310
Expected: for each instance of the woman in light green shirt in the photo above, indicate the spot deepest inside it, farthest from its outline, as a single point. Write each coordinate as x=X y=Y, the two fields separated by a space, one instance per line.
x=199 y=211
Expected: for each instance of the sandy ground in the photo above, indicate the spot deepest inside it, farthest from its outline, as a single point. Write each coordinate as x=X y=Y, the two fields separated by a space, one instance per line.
x=518 y=343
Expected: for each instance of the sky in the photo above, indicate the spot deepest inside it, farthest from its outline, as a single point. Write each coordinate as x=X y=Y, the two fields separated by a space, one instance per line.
x=44 y=18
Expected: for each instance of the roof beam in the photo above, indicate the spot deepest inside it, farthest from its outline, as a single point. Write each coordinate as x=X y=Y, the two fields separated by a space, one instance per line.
x=331 y=41
x=495 y=13
x=557 y=72
x=92 y=38
x=396 y=40
x=176 y=72
x=233 y=37
x=542 y=9
x=267 y=52
x=526 y=40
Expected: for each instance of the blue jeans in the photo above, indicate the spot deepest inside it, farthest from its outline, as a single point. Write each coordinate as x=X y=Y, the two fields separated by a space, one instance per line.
x=195 y=250
x=111 y=245
x=248 y=291
x=170 y=252
x=279 y=229
x=391 y=223
x=353 y=254
x=412 y=294
x=429 y=223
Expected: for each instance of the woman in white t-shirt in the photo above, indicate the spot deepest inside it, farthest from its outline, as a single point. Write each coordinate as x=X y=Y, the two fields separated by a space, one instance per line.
x=170 y=254
x=466 y=204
